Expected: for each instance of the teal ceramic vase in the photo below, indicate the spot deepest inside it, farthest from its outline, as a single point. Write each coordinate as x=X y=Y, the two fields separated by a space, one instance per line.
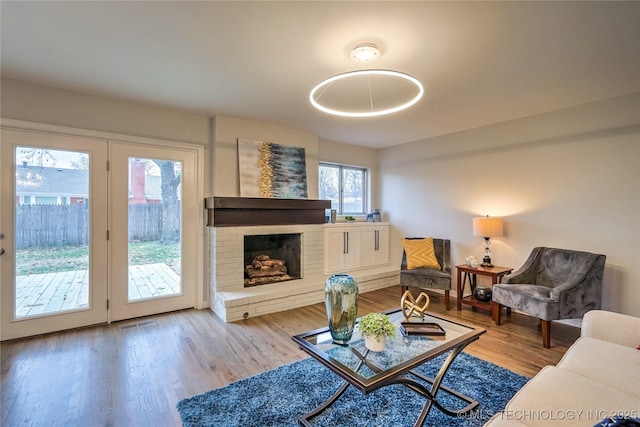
x=341 y=300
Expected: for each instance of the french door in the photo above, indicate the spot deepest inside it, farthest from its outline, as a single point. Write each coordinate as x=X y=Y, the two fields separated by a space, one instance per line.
x=53 y=220
x=82 y=244
x=154 y=217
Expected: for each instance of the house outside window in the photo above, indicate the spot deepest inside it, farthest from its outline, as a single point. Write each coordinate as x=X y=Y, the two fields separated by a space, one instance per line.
x=46 y=200
x=345 y=186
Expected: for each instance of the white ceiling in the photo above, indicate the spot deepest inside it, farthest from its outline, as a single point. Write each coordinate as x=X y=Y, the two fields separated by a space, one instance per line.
x=480 y=62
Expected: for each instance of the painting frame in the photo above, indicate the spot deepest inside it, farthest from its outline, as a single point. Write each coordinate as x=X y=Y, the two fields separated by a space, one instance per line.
x=271 y=170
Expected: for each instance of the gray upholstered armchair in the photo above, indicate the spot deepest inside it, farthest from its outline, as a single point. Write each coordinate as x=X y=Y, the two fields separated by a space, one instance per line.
x=552 y=284
x=430 y=278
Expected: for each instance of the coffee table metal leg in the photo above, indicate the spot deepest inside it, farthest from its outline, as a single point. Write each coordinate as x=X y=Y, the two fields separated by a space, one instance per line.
x=436 y=385
x=306 y=418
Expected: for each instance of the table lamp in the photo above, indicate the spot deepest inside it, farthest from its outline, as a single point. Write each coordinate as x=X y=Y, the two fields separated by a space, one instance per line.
x=487 y=227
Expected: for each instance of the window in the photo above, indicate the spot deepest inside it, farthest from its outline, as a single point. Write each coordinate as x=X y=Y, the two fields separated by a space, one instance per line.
x=345 y=186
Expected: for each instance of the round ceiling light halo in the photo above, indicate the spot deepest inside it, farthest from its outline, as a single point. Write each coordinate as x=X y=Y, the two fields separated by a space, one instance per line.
x=320 y=89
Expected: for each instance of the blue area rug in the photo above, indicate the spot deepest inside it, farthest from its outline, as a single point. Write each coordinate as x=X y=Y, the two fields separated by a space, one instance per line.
x=279 y=396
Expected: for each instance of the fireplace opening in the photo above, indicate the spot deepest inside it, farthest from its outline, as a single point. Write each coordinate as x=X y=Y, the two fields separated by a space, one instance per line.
x=271 y=258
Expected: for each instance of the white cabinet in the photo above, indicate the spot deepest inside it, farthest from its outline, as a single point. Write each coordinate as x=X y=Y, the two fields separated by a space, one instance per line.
x=355 y=246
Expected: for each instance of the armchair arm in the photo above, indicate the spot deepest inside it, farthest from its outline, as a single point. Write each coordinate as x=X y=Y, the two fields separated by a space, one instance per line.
x=527 y=273
x=583 y=292
x=565 y=287
x=446 y=256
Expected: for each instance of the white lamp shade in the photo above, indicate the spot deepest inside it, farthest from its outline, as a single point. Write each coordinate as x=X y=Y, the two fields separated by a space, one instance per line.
x=487 y=227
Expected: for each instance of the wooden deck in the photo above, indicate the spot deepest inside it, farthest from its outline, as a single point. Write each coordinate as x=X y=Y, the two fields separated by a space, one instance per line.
x=38 y=294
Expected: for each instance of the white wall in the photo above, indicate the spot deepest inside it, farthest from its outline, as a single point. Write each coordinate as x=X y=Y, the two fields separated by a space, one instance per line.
x=43 y=104
x=568 y=179
x=227 y=130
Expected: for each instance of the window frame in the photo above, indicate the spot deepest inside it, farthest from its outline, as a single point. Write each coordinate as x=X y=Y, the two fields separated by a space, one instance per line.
x=365 y=186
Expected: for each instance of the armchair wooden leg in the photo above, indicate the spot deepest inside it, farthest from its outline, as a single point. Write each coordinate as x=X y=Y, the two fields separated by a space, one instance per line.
x=447 y=302
x=546 y=333
x=496 y=309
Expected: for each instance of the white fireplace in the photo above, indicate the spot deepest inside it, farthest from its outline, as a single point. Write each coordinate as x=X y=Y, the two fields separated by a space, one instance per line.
x=232 y=301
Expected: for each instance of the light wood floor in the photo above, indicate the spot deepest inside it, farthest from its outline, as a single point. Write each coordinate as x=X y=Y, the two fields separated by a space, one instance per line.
x=133 y=373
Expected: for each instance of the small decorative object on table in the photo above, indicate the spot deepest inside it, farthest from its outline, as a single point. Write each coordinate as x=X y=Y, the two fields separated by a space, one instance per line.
x=375 y=328
x=341 y=301
x=482 y=293
x=414 y=307
x=418 y=328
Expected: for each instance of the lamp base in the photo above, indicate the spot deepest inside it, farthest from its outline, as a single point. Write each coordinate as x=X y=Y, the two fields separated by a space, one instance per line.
x=486 y=262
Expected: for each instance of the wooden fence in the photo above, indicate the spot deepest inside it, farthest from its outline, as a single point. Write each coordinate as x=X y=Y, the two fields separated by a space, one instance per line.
x=68 y=225
x=145 y=222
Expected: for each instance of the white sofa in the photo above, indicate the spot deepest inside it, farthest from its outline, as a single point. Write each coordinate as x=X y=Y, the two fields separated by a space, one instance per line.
x=598 y=377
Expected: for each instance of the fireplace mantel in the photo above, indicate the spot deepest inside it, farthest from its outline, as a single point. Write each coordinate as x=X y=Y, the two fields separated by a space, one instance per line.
x=244 y=211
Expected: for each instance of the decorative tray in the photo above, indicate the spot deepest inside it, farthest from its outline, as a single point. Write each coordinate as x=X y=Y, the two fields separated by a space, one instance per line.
x=414 y=328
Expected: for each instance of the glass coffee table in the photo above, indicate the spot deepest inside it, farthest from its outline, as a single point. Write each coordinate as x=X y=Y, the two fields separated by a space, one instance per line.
x=368 y=371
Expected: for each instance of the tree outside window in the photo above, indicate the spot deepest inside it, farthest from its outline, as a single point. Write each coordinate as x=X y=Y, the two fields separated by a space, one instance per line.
x=345 y=186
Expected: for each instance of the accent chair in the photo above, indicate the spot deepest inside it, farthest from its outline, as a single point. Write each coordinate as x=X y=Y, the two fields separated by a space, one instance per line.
x=429 y=278
x=552 y=284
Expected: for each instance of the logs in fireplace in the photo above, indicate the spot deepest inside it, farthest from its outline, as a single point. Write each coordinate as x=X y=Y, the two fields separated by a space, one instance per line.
x=264 y=269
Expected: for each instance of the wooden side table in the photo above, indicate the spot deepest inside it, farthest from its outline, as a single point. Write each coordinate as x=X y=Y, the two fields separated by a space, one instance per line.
x=470 y=274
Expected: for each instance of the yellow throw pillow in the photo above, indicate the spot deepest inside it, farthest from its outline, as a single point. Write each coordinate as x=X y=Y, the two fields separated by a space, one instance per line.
x=420 y=253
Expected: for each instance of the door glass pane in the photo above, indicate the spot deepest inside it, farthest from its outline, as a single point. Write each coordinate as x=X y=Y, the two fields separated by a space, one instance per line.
x=52 y=238
x=155 y=206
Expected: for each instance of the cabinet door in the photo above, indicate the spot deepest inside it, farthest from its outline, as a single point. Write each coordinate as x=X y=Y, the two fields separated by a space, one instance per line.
x=375 y=246
x=381 y=251
x=352 y=249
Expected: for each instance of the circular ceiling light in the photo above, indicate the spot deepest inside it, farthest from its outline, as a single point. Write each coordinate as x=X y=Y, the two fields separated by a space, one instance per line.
x=366 y=93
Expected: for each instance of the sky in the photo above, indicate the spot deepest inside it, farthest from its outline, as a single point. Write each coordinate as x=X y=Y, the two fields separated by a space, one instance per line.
x=49 y=158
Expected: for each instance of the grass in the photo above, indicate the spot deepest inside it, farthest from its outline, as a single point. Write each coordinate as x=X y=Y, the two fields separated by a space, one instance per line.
x=70 y=258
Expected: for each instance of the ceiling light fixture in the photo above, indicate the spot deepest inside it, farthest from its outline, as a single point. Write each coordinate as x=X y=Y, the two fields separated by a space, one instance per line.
x=365 y=52
x=366 y=93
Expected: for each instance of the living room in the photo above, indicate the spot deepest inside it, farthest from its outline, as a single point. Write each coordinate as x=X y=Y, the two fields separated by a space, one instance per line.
x=565 y=176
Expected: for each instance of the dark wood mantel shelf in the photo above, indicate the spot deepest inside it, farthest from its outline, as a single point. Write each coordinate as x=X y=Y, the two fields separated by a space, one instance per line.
x=246 y=211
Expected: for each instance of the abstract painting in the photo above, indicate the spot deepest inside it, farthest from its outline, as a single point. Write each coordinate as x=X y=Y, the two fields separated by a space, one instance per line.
x=271 y=170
